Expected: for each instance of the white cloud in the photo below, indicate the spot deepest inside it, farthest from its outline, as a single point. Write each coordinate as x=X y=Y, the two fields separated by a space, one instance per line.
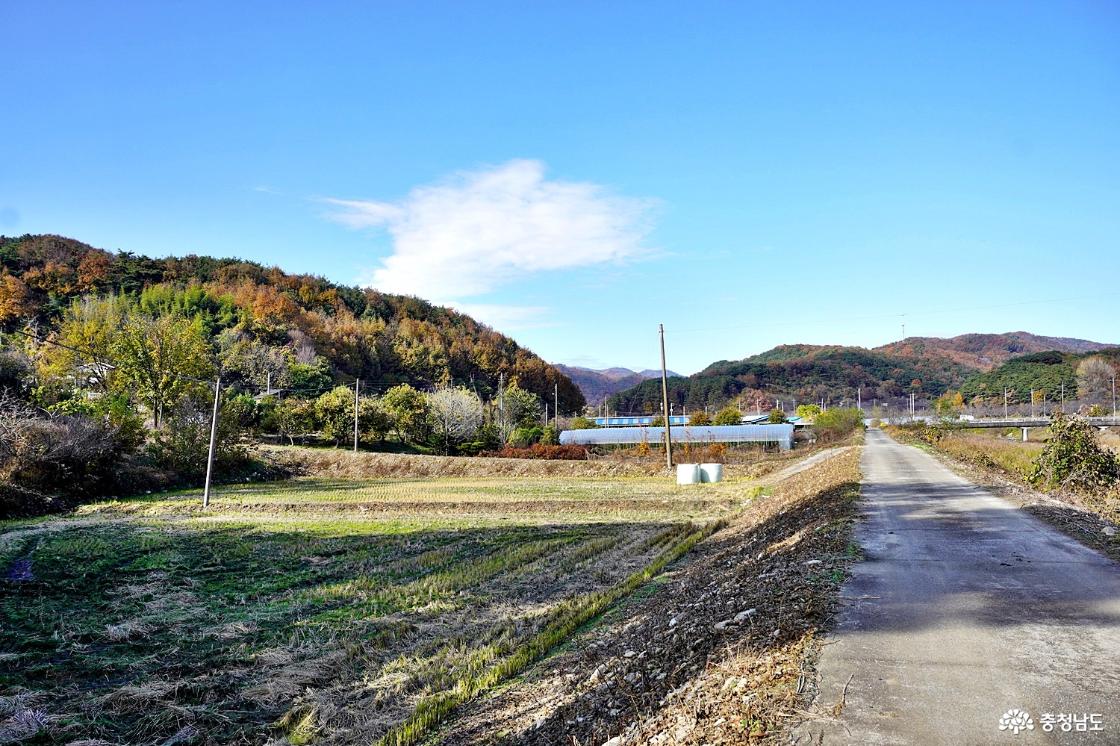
x=478 y=230
x=507 y=318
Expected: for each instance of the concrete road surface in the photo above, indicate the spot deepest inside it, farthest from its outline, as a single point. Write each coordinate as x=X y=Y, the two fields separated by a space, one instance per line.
x=964 y=608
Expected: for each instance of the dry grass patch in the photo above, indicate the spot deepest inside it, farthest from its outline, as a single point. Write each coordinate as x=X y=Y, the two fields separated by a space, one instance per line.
x=327 y=609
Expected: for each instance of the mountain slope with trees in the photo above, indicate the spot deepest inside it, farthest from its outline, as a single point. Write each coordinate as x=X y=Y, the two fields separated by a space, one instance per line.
x=1047 y=376
x=300 y=331
x=985 y=351
x=927 y=367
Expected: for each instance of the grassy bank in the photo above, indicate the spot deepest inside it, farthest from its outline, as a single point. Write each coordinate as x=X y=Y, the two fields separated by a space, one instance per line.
x=718 y=651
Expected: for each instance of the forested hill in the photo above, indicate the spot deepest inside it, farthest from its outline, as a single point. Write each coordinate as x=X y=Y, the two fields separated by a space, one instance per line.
x=926 y=366
x=303 y=330
x=801 y=372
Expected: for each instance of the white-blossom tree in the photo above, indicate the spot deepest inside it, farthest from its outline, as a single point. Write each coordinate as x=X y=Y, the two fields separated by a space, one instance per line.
x=457 y=413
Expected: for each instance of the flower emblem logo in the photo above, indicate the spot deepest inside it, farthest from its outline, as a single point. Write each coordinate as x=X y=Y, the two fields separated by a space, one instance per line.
x=1016 y=721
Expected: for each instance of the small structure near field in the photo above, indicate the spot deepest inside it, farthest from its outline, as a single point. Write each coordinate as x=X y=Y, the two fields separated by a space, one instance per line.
x=780 y=434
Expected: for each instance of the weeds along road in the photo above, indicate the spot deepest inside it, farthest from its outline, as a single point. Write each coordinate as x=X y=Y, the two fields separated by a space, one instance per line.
x=964 y=608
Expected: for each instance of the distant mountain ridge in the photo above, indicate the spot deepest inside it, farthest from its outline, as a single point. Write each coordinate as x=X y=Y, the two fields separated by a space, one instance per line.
x=597 y=385
x=986 y=351
x=801 y=372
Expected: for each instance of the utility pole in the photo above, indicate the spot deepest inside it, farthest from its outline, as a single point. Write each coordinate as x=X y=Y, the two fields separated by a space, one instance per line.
x=1113 y=398
x=1032 y=403
x=1063 y=397
x=859 y=398
x=268 y=384
x=1005 y=403
x=665 y=400
x=546 y=414
x=502 y=406
x=213 y=443
x=556 y=402
x=357 y=383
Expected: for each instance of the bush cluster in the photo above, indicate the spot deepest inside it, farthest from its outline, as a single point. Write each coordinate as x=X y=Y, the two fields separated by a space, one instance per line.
x=542 y=451
x=1072 y=458
x=49 y=461
x=833 y=424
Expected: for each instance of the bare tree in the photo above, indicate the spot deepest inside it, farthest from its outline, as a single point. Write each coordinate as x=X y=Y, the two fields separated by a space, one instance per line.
x=457 y=413
x=1094 y=380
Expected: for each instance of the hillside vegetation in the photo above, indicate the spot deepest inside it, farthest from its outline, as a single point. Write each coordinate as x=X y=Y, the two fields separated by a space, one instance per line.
x=108 y=364
x=278 y=320
x=927 y=367
x=804 y=372
x=1044 y=373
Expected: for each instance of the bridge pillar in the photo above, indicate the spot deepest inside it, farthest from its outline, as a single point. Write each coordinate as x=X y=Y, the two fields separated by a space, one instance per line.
x=1025 y=435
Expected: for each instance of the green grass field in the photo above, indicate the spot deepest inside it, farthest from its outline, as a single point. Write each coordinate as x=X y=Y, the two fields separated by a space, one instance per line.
x=316 y=610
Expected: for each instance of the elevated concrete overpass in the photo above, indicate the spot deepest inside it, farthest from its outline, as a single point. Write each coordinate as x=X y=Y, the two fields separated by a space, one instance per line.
x=1023 y=423
x=1001 y=421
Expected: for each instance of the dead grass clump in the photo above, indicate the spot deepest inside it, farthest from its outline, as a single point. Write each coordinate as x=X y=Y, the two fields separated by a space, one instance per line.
x=135 y=698
x=24 y=725
x=127 y=630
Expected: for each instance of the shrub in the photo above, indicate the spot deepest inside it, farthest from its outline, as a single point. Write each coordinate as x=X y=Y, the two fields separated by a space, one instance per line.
x=73 y=455
x=183 y=445
x=550 y=436
x=523 y=437
x=699 y=419
x=1073 y=458
x=837 y=423
x=15 y=373
x=808 y=412
x=727 y=416
x=488 y=438
x=244 y=411
x=776 y=417
x=541 y=451
x=582 y=423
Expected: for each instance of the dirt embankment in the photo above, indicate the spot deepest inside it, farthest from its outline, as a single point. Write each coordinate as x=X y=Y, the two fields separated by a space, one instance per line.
x=337 y=463
x=717 y=652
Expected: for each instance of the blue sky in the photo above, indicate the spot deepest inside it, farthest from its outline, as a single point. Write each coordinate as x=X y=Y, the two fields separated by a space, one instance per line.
x=748 y=174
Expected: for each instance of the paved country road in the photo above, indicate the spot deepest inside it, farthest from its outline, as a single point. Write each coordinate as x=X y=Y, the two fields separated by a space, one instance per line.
x=963 y=608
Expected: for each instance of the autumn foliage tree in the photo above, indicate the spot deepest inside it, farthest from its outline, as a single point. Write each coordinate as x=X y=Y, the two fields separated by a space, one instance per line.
x=160 y=360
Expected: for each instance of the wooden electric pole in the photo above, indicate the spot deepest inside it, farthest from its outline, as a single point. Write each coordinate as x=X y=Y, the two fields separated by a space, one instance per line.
x=502 y=407
x=665 y=401
x=357 y=382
